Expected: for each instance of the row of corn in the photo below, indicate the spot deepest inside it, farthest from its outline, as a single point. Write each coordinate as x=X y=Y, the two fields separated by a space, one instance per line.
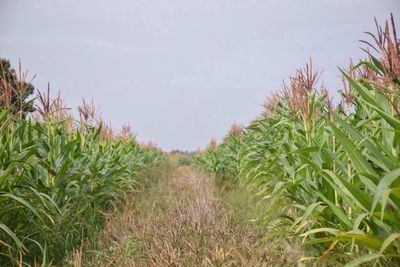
x=330 y=172
x=59 y=177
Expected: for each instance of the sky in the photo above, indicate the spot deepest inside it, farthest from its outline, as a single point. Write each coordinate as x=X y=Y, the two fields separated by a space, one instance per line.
x=180 y=72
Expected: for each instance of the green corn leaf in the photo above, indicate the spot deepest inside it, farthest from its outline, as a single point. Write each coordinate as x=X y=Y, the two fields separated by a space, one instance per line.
x=360 y=163
x=341 y=215
x=383 y=185
x=363 y=259
x=365 y=141
x=23 y=202
x=13 y=236
x=388 y=242
x=356 y=195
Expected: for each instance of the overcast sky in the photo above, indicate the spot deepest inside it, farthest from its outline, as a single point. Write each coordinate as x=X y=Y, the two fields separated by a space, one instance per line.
x=182 y=71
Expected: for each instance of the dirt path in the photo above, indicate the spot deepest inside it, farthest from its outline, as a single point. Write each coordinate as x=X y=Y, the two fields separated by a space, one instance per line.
x=182 y=221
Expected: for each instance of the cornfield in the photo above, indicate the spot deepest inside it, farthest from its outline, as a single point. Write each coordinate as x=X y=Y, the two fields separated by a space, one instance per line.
x=330 y=172
x=59 y=177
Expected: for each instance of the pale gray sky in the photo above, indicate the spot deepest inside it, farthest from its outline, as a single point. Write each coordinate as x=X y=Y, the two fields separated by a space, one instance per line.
x=182 y=71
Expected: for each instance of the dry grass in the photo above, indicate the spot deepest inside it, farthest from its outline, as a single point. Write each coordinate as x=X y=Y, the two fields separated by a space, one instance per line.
x=181 y=221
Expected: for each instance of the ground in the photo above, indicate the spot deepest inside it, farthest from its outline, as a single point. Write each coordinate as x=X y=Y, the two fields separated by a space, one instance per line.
x=182 y=218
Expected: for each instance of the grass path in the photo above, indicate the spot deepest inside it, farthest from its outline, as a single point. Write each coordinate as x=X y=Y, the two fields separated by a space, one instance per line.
x=182 y=220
